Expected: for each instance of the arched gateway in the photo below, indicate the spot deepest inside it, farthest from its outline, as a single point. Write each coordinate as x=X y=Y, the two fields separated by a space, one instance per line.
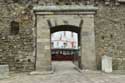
x=63 y=48
x=47 y=20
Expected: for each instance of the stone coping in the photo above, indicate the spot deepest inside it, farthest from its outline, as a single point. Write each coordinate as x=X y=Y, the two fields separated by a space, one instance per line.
x=121 y=0
x=65 y=8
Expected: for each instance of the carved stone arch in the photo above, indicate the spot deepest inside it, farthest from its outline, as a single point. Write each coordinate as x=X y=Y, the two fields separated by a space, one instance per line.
x=48 y=17
x=65 y=28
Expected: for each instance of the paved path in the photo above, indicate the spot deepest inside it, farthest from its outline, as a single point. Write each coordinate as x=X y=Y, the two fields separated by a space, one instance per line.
x=65 y=72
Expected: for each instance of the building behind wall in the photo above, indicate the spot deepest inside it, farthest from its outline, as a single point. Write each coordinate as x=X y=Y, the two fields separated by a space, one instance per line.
x=17 y=40
x=64 y=39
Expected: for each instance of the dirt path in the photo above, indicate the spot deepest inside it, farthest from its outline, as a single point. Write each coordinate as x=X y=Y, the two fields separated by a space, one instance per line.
x=65 y=72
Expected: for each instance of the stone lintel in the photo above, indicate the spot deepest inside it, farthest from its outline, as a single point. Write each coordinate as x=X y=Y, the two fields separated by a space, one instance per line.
x=65 y=13
x=72 y=9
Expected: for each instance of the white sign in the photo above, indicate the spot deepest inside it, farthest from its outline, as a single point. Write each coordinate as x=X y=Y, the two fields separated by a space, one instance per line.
x=107 y=64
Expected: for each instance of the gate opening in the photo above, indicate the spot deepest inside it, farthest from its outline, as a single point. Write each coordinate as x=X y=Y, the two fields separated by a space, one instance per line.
x=64 y=46
x=65 y=43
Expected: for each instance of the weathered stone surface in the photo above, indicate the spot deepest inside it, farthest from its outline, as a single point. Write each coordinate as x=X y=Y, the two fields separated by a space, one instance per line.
x=17 y=50
x=109 y=31
x=88 y=57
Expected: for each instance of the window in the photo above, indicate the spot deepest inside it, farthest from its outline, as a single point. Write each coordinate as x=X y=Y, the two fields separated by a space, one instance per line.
x=52 y=44
x=14 y=28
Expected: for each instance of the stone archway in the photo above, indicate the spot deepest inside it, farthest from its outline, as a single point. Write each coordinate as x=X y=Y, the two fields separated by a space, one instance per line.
x=65 y=52
x=52 y=16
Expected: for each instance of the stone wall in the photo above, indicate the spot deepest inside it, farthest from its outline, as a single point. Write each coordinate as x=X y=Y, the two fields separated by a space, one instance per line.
x=16 y=50
x=110 y=34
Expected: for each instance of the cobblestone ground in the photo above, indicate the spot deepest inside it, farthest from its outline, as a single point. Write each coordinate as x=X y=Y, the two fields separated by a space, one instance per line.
x=65 y=72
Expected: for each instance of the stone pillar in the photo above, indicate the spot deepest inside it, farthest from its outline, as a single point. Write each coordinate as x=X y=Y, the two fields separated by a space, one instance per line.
x=43 y=58
x=88 y=57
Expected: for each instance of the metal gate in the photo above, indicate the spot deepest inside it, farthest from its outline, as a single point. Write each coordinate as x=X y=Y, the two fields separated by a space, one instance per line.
x=64 y=54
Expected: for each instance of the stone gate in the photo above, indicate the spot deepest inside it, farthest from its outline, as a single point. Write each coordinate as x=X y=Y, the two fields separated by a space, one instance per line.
x=47 y=17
